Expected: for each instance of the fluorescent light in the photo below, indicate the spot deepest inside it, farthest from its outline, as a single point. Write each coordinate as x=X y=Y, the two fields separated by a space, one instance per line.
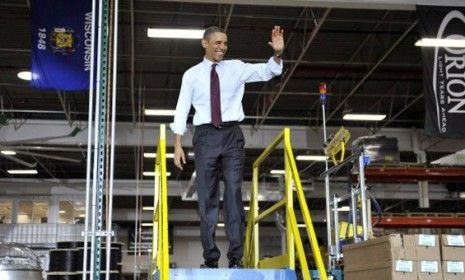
x=247 y=208
x=310 y=158
x=159 y=112
x=22 y=171
x=152 y=173
x=82 y=215
x=147 y=224
x=8 y=152
x=154 y=155
x=301 y=225
x=175 y=33
x=277 y=171
x=433 y=42
x=26 y=75
x=62 y=211
x=220 y=224
x=364 y=117
x=343 y=209
x=147 y=208
x=190 y=154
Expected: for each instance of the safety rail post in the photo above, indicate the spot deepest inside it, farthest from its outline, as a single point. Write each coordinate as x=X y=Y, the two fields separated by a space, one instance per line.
x=305 y=212
x=160 y=254
x=289 y=197
x=294 y=240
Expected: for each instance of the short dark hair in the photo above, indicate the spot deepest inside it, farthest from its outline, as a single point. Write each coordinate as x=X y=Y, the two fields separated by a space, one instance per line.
x=210 y=30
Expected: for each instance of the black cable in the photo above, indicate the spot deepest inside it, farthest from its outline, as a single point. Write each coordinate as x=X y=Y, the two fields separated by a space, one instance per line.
x=63 y=260
x=63 y=276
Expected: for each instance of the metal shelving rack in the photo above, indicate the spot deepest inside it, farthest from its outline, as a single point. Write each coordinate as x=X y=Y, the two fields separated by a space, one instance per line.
x=102 y=122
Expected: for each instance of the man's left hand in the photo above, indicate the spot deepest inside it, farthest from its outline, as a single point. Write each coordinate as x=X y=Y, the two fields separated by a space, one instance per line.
x=277 y=40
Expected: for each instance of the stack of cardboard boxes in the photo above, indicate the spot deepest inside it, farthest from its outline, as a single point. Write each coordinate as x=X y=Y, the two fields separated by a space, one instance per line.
x=453 y=256
x=406 y=257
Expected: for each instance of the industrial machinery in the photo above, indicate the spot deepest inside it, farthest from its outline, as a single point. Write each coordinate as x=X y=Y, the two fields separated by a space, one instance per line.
x=18 y=262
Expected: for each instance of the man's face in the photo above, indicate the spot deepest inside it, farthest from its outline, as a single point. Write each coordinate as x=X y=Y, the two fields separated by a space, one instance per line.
x=215 y=46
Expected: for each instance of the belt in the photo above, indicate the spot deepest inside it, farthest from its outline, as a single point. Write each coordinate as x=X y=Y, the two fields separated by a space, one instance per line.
x=221 y=126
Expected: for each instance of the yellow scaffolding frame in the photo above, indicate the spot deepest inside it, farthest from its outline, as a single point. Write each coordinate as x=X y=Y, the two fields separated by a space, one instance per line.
x=292 y=179
x=160 y=246
x=338 y=145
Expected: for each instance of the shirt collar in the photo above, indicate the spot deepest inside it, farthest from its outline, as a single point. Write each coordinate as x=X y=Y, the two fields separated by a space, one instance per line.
x=209 y=63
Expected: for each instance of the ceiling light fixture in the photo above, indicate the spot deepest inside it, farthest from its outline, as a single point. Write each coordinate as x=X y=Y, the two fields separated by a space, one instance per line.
x=343 y=209
x=152 y=173
x=154 y=155
x=310 y=158
x=25 y=75
x=8 y=152
x=277 y=172
x=147 y=224
x=159 y=112
x=22 y=171
x=175 y=33
x=446 y=43
x=147 y=208
x=364 y=117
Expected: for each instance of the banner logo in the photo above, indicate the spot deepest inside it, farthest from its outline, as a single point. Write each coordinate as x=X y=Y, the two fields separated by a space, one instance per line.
x=449 y=73
x=63 y=41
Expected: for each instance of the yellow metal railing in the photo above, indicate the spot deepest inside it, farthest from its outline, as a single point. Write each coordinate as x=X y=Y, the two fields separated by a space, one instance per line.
x=337 y=145
x=294 y=240
x=160 y=246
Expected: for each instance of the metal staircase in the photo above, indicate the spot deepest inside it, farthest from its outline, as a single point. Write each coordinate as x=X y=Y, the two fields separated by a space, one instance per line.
x=274 y=268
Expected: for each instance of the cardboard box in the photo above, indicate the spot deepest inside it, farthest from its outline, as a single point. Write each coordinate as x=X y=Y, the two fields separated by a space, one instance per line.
x=382 y=258
x=453 y=247
x=390 y=270
x=453 y=270
x=425 y=246
x=378 y=250
x=429 y=270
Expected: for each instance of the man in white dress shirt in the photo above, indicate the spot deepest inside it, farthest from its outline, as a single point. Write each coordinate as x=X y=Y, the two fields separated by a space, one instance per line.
x=215 y=88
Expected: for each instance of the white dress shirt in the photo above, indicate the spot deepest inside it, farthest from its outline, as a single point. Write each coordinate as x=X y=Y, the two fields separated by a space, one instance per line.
x=233 y=74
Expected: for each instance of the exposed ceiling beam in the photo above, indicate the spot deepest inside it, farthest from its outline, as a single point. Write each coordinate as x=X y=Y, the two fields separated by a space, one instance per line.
x=315 y=31
x=303 y=137
x=228 y=18
x=345 y=4
x=372 y=69
x=391 y=119
x=132 y=63
x=16 y=187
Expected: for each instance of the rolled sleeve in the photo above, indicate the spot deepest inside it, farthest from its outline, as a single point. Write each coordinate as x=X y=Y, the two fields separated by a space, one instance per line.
x=274 y=67
x=178 y=126
x=177 y=129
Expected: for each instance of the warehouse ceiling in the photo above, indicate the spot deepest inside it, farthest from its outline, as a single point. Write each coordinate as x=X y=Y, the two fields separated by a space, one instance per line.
x=366 y=57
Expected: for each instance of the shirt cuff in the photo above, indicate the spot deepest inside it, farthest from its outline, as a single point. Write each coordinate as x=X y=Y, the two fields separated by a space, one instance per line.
x=274 y=67
x=177 y=129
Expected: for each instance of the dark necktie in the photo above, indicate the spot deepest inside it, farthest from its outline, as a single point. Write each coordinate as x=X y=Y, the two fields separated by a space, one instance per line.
x=215 y=103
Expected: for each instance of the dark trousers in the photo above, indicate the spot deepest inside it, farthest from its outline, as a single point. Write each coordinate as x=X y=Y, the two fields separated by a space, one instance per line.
x=220 y=152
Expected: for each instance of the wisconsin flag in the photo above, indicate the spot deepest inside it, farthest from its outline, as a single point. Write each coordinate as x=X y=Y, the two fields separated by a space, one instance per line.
x=61 y=44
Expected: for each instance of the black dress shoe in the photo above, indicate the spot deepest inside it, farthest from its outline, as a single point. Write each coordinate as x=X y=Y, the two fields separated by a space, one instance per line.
x=209 y=264
x=235 y=263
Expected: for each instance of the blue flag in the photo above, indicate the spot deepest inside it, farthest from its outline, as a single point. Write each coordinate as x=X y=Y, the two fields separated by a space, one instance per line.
x=61 y=44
